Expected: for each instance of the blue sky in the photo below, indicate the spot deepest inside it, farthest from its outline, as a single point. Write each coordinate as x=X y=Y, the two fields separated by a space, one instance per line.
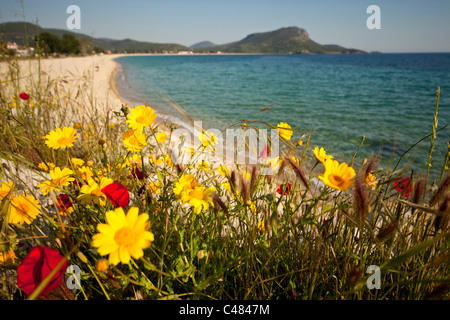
x=406 y=25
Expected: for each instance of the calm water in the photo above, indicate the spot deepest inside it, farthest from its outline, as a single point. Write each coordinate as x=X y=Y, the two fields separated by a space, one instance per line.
x=388 y=98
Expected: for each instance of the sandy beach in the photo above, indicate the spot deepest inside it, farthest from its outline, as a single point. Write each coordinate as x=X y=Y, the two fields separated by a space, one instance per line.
x=94 y=73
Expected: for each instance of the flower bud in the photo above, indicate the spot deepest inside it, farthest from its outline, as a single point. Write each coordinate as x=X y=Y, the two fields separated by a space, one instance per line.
x=101 y=265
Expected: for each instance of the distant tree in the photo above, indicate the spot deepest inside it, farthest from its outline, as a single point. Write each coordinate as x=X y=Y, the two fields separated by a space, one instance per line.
x=97 y=49
x=3 y=48
x=70 y=44
x=49 y=43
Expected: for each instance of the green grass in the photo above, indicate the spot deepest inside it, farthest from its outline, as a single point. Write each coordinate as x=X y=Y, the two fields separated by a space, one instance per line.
x=253 y=243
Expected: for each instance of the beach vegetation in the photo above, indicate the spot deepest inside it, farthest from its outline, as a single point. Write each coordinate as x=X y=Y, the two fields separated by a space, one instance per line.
x=104 y=193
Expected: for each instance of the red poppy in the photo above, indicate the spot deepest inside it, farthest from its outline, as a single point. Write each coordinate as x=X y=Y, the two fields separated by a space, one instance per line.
x=117 y=193
x=286 y=187
x=64 y=202
x=24 y=96
x=404 y=187
x=36 y=266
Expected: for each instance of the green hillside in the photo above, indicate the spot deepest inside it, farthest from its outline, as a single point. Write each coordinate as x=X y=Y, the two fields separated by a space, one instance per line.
x=24 y=33
x=281 y=41
x=284 y=40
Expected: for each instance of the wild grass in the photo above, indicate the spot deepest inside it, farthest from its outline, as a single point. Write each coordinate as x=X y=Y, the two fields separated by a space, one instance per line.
x=312 y=242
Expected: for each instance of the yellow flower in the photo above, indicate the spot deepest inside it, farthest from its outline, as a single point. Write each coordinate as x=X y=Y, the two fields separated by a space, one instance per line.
x=154 y=187
x=246 y=175
x=198 y=198
x=44 y=166
x=284 y=130
x=77 y=125
x=261 y=225
x=274 y=163
x=61 y=138
x=337 y=176
x=227 y=186
x=76 y=162
x=203 y=165
x=123 y=236
x=24 y=209
x=191 y=151
x=186 y=182
x=141 y=117
x=134 y=140
x=92 y=191
x=223 y=171
x=321 y=155
x=6 y=188
x=161 y=137
x=370 y=180
x=101 y=265
x=85 y=173
x=134 y=160
x=7 y=257
x=59 y=178
x=208 y=139
x=154 y=160
x=168 y=160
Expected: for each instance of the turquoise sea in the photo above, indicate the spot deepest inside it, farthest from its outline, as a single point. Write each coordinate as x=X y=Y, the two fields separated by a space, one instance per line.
x=388 y=98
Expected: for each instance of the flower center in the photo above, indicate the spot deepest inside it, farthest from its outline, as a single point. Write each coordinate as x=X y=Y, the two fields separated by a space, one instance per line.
x=124 y=236
x=22 y=208
x=134 y=141
x=197 y=194
x=336 y=180
x=63 y=140
x=140 y=119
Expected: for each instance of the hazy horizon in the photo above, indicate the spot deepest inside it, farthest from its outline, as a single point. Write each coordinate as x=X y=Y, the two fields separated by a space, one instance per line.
x=406 y=26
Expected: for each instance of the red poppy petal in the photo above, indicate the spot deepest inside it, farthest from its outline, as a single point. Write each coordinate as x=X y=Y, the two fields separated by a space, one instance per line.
x=287 y=188
x=24 y=96
x=37 y=266
x=117 y=193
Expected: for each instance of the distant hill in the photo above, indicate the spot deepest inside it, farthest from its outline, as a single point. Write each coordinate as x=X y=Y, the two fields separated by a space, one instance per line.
x=23 y=33
x=284 y=40
x=203 y=45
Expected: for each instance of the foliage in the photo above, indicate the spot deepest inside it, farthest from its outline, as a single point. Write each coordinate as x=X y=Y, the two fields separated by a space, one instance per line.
x=281 y=236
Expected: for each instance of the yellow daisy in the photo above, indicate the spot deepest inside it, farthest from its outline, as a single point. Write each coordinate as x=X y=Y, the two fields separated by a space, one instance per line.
x=321 y=155
x=123 y=236
x=59 y=178
x=134 y=140
x=161 y=137
x=5 y=189
x=24 y=209
x=44 y=166
x=203 y=165
x=223 y=171
x=61 y=138
x=77 y=162
x=85 y=173
x=154 y=187
x=168 y=160
x=370 y=180
x=141 y=117
x=337 y=176
x=284 y=130
x=92 y=191
x=186 y=182
x=154 y=160
x=207 y=139
x=7 y=257
x=198 y=198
